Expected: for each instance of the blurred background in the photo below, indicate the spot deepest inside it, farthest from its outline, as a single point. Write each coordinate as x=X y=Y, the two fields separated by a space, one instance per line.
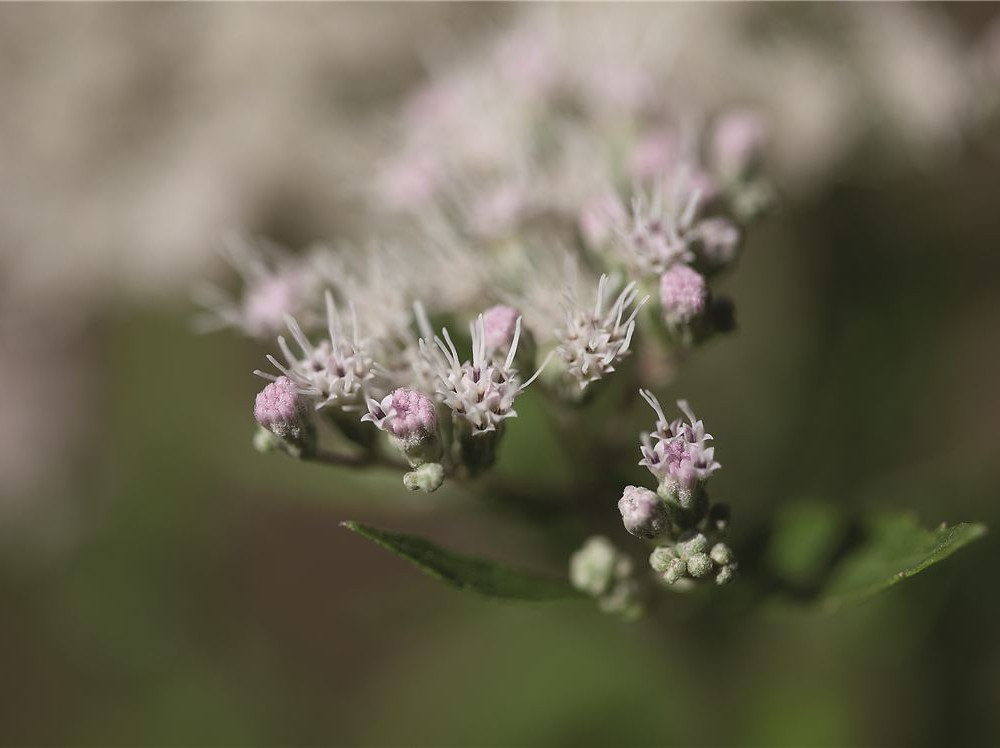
x=163 y=584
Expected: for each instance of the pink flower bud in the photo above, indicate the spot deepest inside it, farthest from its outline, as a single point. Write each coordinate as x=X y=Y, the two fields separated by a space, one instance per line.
x=643 y=512
x=683 y=294
x=415 y=413
x=281 y=409
x=499 y=323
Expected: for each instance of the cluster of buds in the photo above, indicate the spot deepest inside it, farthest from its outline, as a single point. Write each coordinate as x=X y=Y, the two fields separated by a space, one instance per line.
x=688 y=530
x=600 y=570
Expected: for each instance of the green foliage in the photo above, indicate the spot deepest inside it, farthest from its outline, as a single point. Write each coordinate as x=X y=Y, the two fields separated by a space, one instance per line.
x=479 y=575
x=895 y=548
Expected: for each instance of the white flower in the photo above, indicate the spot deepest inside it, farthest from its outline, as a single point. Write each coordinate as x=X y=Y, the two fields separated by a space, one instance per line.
x=480 y=392
x=338 y=371
x=593 y=340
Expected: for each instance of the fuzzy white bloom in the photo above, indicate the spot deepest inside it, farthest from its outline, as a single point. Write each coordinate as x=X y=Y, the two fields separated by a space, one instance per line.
x=339 y=371
x=594 y=339
x=480 y=392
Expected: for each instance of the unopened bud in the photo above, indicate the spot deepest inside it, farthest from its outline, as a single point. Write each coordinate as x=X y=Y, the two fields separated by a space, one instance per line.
x=661 y=558
x=643 y=513
x=428 y=477
x=721 y=554
x=699 y=565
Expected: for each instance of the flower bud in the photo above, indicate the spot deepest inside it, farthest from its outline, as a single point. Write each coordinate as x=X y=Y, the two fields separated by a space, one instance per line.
x=592 y=568
x=284 y=412
x=716 y=242
x=721 y=554
x=280 y=408
x=622 y=599
x=699 y=565
x=676 y=571
x=643 y=513
x=428 y=477
x=695 y=545
x=661 y=558
x=411 y=418
x=726 y=574
x=683 y=295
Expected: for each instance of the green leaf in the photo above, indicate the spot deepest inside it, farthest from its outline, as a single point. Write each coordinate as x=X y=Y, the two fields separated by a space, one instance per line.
x=479 y=575
x=895 y=548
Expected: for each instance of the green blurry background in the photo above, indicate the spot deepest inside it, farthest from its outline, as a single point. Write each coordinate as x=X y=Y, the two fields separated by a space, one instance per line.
x=163 y=584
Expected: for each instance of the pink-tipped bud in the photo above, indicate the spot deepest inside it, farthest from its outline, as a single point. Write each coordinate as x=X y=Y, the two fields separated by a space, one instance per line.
x=737 y=143
x=601 y=217
x=281 y=409
x=415 y=414
x=499 y=324
x=683 y=295
x=410 y=416
x=643 y=512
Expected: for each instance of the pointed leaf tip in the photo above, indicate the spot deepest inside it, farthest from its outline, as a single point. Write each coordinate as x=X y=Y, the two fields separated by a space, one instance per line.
x=478 y=575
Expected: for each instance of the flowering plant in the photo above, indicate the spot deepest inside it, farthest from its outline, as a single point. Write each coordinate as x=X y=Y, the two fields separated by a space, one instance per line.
x=577 y=227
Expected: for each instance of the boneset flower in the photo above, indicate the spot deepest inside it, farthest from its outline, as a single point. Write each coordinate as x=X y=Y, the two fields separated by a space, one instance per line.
x=594 y=339
x=680 y=458
x=337 y=370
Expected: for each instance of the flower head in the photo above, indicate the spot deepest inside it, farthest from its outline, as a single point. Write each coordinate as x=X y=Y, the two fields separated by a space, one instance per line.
x=410 y=416
x=683 y=295
x=281 y=409
x=335 y=372
x=405 y=413
x=594 y=339
x=479 y=392
x=657 y=236
x=677 y=453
